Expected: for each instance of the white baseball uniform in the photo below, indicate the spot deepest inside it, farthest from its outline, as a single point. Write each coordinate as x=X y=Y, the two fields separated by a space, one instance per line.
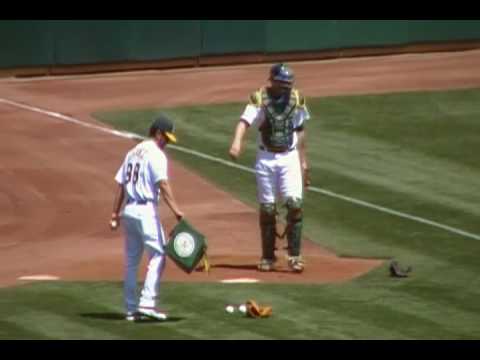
x=277 y=173
x=144 y=166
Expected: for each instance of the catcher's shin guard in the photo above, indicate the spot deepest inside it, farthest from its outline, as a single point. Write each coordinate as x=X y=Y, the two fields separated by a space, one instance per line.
x=294 y=226
x=268 y=230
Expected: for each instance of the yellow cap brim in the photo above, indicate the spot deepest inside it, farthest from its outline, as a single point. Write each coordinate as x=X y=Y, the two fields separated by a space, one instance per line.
x=171 y=138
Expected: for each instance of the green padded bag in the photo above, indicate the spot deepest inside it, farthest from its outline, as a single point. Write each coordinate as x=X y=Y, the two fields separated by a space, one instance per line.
x=186 y=247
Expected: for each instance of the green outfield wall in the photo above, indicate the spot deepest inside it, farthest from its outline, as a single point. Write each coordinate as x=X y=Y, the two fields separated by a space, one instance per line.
x=52 y=43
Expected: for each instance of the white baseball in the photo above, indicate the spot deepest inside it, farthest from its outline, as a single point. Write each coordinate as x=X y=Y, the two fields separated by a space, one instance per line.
x=243 y=308
x=113 y=224
x=230 y=309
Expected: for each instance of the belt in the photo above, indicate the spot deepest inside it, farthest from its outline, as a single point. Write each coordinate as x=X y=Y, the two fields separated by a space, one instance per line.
x=138 y=202
x=263 y=148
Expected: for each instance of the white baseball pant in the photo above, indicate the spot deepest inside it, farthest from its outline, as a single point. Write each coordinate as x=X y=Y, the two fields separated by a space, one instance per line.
x=143 y=230
x=278 y=175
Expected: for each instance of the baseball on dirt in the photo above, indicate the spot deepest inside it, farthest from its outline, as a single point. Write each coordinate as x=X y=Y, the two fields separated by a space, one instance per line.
x=230 y=309
x=243 y=309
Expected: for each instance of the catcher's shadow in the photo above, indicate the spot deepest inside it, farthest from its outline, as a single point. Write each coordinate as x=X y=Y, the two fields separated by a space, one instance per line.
x=121 y=317
x=246 y=267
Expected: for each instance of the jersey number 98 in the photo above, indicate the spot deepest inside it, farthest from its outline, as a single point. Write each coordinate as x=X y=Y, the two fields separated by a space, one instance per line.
x=136 y=169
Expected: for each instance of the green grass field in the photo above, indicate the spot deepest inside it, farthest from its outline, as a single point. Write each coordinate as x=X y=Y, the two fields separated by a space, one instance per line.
x=411 y=152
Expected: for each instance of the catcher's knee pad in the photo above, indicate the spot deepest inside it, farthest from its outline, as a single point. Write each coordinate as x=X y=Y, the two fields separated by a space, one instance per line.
x=294 y=225
x=295 y=210
x=268 y=214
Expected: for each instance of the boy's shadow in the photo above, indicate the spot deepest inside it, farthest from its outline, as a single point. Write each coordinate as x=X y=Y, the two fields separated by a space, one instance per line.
x=121 y=317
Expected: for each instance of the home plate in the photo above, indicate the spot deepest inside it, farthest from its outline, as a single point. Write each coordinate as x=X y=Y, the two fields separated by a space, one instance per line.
x=240 y=281
x=39 y=277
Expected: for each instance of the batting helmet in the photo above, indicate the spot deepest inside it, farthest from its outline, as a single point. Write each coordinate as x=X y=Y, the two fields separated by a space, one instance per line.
x=281 y=72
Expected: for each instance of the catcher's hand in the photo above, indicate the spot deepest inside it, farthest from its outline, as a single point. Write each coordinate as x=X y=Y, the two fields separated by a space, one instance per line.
x=234 y=152
x=306 y=177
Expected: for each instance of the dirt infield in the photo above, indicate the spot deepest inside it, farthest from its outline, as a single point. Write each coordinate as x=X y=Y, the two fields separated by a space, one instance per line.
x=57 y=177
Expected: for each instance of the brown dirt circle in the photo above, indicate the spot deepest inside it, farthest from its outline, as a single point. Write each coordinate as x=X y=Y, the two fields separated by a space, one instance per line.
x=57 y=178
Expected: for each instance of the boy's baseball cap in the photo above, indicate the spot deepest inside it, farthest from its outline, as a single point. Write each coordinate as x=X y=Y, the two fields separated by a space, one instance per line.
x=165 y=125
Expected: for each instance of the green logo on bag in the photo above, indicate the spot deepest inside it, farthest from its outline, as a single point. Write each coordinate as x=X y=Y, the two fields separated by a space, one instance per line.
x=184 y=244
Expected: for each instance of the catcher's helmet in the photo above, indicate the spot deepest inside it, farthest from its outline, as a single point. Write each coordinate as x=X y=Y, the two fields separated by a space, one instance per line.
x=281 y=72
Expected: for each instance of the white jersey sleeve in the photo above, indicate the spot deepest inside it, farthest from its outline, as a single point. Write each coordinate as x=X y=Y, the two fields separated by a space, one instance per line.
x=251 y=114
x=159 y=167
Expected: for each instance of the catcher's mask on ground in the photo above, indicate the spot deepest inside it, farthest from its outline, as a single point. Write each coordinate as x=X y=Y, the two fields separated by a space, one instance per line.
x=165 y=126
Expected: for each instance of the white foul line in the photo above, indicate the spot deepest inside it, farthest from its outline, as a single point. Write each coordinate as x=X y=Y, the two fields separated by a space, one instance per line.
x=129 y=135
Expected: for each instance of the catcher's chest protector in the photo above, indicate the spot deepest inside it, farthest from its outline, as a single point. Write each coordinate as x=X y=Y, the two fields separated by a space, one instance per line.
x=277 y=129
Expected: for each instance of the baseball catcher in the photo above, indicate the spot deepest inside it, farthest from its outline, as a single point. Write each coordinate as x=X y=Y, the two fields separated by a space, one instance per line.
x=279 y=113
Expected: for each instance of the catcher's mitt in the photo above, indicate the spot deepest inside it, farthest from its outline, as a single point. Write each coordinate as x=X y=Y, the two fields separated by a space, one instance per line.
x=256 y=311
